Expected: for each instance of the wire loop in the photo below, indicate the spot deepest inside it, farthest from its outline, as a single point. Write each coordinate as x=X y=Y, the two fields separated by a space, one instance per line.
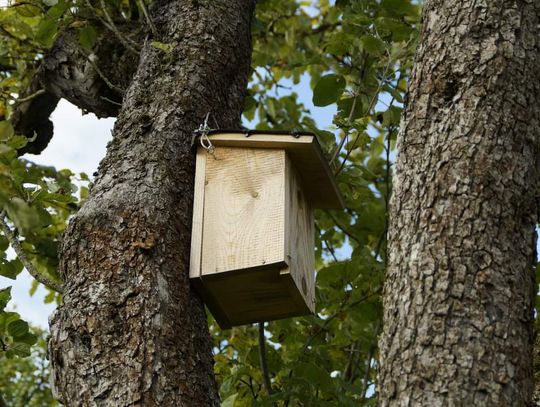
x=203 y=130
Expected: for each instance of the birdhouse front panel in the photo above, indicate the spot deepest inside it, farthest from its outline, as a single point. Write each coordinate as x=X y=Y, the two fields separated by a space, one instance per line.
x=243 y=216
x=252 y=250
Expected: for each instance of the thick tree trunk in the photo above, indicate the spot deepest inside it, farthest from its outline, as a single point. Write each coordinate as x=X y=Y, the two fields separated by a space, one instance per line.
x=129 y=330
x=458 y=319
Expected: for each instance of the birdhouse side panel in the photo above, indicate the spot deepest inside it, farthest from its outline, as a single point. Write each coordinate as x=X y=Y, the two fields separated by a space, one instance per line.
x=300 y=238
x=243 y=219
x=198 y=210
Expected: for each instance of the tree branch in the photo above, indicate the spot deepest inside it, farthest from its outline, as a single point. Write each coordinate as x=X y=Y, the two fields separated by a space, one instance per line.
x=345 y=132
x=107 y=81
x=327 y=244
x=371 y=106
x=262 y=359
x=148 y=18
x=30 y=97
x=127 y=42
x=373 y=347
x=14 y=242
x=342 y=228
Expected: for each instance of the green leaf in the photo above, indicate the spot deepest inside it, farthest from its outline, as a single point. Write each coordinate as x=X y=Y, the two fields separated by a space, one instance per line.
x=58 y=10
x=50 y=3
x=328 y=89
x=372 y=44
x=5 y=296
x=18 y=328
x=345 y=106
x=5 y=149
x=28 y=338
x=4 y=243
x=46 y=32
x=17 y=142
x=19 y=349
x=11 y=269
x=28 y=10
x=24 y=216
x=6 y=130
x=229 y=401
x=49 y=298
x=392 y=116
x=87 y=37
x=316 y=375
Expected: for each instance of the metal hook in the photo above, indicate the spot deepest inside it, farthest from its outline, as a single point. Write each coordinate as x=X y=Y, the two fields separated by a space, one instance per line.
x=204 y=139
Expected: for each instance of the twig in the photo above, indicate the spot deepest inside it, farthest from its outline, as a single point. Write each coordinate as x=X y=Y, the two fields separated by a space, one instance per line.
x=100 y=73
x=262 y=359
x=109 y=24
x=388 y=184
x=250 y=385
x=148 y=18
x=345 y=132
x=371 y=106
x=127 y=42
x=365 y=385
x=23 y=3
x=106 y=99
x=12 y=238
x=342 y=228
x=30 y=97
x=348 y=371
x=327 y=244
x=330 y=249
x=336 y=314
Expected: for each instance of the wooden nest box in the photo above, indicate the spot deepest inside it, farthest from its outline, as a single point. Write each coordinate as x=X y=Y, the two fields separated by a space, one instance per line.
x=252 y=247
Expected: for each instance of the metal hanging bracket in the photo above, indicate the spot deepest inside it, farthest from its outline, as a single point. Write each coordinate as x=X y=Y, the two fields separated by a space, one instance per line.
x=202 y=134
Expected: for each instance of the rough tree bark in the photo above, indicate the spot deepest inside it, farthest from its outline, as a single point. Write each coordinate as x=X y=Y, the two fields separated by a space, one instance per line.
x=458 y=319
x=129 y=330
x=95 y=81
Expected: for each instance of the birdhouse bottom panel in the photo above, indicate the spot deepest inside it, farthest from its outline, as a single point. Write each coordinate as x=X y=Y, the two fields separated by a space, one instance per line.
x=251 y=296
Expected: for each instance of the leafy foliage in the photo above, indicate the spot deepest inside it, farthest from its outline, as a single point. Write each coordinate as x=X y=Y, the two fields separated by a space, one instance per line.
x=25 y=381
x=15 y=337
x=356 y=56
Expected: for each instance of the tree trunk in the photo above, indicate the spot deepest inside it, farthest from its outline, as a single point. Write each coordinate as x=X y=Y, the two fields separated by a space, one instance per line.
x=130 y=331
x=458 y=319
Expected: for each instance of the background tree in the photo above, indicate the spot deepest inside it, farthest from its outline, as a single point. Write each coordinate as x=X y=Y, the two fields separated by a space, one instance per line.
x=459 y=297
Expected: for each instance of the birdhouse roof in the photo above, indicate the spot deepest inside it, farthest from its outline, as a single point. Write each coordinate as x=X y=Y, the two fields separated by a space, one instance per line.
x=304 y=151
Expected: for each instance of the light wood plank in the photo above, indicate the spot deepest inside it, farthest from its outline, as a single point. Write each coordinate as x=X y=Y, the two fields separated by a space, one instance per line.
x=315 y=174
x=252 y=296
x=243 y=209
x=300 y=237
x=198 y=212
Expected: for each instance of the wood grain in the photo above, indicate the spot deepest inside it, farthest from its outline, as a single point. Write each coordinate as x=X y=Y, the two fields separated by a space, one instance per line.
x=243 y=297
x=253 y=234
x=316 y=176
x=198 y=212
x=300 y=238
x=243 y=209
